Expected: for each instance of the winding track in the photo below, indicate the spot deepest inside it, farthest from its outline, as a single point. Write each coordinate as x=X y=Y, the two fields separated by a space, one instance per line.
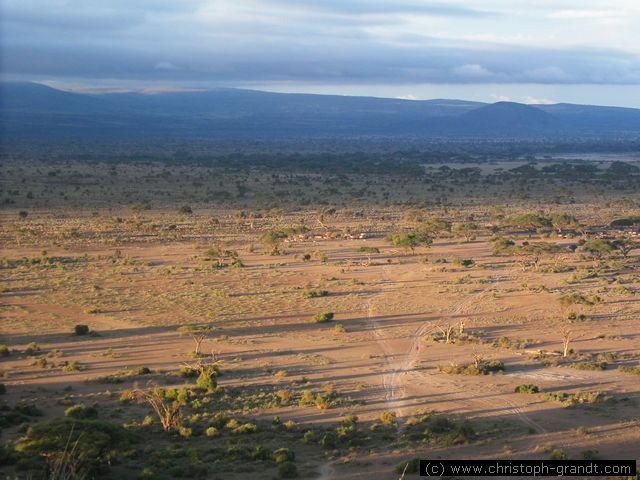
x=394 y=380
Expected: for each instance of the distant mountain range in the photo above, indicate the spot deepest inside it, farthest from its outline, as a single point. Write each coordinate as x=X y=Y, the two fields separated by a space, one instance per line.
x=35 y=111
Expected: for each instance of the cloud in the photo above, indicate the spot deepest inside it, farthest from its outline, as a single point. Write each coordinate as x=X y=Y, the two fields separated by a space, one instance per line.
x=320 y=41
x=584 y=14
x=407 y=97
x=537 y=101
x=165 y=66
x=472 y=70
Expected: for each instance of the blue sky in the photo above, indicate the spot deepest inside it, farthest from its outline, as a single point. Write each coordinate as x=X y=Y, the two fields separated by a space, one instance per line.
x=527 y=50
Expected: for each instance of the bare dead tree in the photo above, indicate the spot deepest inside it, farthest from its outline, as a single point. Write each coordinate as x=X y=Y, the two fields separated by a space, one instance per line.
x=447 y=332
x=568 y=335
x=199 y=333
x=477 y=360
x=461 y=325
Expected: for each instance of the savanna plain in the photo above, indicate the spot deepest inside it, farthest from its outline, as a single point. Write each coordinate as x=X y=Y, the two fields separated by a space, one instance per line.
x=182 y=320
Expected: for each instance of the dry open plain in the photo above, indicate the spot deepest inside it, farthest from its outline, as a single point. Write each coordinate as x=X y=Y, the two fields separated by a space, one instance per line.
x=446 y=339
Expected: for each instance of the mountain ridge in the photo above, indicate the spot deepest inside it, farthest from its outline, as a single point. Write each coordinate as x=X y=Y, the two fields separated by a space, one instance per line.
x=31 y=110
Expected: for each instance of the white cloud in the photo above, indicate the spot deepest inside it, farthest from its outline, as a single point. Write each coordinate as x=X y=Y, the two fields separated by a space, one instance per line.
x=582 y=14
x=500 y=98
x=407 y=97
x=537 y=101
x=472 y=70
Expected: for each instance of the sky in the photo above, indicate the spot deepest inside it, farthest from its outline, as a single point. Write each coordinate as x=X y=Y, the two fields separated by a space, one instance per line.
x=530 y=51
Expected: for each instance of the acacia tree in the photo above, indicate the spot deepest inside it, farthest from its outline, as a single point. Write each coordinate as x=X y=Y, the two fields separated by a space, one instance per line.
x=166 y=403
x=529 y=222
x=562 y=221
x=625 y=245
x=411 y=240
x=467 y=230
x=599 y=248
x=369 y=251
x=199 y=333
x=272 y=239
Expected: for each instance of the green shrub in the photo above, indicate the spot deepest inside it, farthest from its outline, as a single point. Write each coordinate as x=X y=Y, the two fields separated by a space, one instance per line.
x=287 y=470
x=590 y=365
x=314 y=293
x=81 y=329
x=261 y=453
x=590 y=454
x=4 y=351
x=283 y=455
x=96 y=445
x=146 y=474
x=32 y=348
x=309 y=437
x=245 y=428
x=81 y=411
x=212 y=432
x=463 y=262
x=558 y=454
x=388 y=417
x=629 y=369
x=189 y=372
x=527 y=388
x=72 y=367
x=484 y=368
x=571 y=399
x=329 y=441
x=323 y=317
x=207 y=379
x=140 y=371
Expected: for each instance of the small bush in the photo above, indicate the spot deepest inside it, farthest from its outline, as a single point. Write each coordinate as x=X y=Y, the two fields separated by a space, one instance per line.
x=527 y=388
x=323 y=317
x=212 y=432
x=32 y=348
x=245 y=428
x=590 y=454
x=590 y=365
x=287 y=470
x=283 y=455
x=558 y=454
x=629 y=369
x=314 y=293
x=4 y=351
x=189 y=372
x=81 y=329
x=140 y=371
x=571 y=399
x=207 y=379
x=81 y=412
x=72 y=367
x=339 y=328
x=485 y=368
x=388 y=417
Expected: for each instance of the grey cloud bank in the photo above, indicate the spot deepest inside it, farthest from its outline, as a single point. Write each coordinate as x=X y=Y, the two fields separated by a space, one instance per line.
x=322 y=42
